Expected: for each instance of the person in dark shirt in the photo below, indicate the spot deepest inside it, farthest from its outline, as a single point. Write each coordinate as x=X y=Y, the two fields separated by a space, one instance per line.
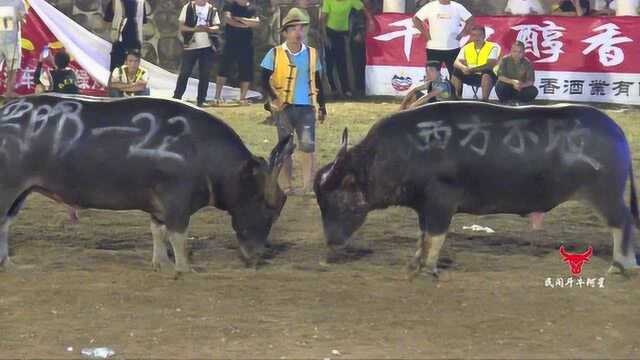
x=126 y=18
x=59 y=80
x=240 y=17
x=571 y=8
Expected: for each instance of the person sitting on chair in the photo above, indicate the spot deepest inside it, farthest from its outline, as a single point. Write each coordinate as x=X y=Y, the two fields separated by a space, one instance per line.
x=475 y=62
x=130 y=79
x=434 y=89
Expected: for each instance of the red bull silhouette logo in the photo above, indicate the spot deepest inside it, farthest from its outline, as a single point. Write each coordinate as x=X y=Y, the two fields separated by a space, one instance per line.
x=576 y=261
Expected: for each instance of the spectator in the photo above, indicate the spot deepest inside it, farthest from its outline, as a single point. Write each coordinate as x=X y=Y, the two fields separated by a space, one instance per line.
x=437 y=89
x=198 y=22
x=516 y=77
x=524 y=7
x=130 y=79
x=616 y=7
x=293 y=103
x=240 y=17
x=604 y=7
x=334 y=18
x=443 y=38
x=12 y=12
x=474 y=64
x=571 y=8
x=357 y=37
x=625 y=7
x=62 y=79
x=126 y=18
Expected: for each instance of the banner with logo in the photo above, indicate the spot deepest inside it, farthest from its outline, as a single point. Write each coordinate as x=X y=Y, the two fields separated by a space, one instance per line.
x=575 y=58
x=47 y=26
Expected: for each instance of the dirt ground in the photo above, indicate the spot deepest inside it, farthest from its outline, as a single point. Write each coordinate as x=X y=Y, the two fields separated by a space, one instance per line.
x=91 y=285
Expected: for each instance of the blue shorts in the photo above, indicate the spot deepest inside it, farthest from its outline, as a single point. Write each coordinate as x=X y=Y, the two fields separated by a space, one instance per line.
x=300 y=119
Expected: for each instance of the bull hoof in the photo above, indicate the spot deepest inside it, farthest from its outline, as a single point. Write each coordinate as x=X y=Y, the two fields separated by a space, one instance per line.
x=162 y=265
x=7 y=265
x=617 y=268
x=414 y=267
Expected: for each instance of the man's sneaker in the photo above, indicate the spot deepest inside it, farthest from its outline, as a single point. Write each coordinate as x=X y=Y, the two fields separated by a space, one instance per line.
x=204 y=104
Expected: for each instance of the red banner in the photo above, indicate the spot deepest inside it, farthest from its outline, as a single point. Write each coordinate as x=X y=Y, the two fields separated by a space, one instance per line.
x=35 y=36
x=562 y=48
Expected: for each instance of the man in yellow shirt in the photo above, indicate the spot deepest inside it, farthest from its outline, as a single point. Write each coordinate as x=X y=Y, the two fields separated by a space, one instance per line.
x=334 y=19
x=475 y=62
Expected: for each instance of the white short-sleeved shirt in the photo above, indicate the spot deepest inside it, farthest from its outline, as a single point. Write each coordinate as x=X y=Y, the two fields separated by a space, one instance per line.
x=445 y=23
x=524 y=7
x=493 y=55
x=200 y=39
x=625 y=7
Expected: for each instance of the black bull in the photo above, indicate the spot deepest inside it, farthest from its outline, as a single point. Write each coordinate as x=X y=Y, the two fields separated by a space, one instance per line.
x=477 y=158
x=163 y=157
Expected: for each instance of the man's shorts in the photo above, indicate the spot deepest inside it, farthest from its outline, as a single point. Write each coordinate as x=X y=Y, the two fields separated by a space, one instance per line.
x=11 y=54
x=474 y=79
x=302 y=120
x=240 y=54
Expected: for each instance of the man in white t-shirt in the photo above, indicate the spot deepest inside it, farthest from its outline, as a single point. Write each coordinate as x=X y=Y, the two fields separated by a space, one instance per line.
x=199 y=20
x=524 y=7
x=445 y=19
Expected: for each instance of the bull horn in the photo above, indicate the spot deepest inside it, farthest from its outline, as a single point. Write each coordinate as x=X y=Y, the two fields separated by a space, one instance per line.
x=563 y=252
x=279 y=154
x=328 y=177
x=588 y=253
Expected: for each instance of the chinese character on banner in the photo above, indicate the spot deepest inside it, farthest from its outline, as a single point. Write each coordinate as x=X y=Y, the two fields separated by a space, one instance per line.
x=622 y=87
x=407 y=33
x=551 y=43
x=549 y=86
x=27 y=79
x=608 y=54
x=574 y=87
x=597 y=87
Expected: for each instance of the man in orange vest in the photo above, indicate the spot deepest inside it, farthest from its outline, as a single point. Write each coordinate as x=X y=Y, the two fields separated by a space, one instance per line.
x=291 y=82
x=475 y=63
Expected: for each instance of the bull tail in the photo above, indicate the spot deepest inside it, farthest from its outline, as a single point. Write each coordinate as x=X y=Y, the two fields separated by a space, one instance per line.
x=633 y=200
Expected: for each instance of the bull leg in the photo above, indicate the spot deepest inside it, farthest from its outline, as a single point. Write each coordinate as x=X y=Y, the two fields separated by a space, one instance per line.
x=10 y=206
x=5 y=261
x=622 y=263
x=160 y=259
x=178 y=241
x=436 y=242
x=417 y=262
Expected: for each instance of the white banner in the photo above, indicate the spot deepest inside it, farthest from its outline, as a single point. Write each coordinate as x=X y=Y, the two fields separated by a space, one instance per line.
x=552 y=85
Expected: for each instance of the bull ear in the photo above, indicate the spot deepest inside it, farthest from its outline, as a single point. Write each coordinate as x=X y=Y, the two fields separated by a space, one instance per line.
x=589 y=252
x=330 y=178
x=279 y=154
